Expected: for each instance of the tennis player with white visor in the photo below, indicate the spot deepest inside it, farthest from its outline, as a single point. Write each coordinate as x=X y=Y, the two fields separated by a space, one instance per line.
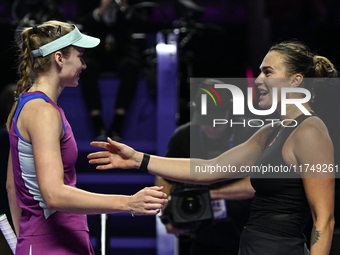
x=48 y=211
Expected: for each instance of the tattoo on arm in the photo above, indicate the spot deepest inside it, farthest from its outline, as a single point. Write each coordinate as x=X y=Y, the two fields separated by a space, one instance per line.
x=314 y=236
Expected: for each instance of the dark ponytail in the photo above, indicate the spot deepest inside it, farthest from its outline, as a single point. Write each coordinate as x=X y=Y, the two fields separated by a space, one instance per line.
x=323 y=67
x=298 y=58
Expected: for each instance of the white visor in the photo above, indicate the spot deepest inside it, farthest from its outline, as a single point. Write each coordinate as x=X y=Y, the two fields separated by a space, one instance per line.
x=73 y=38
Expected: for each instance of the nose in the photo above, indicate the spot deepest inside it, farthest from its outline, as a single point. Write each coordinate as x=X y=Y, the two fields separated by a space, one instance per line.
x=83 y=64
x=259 y=80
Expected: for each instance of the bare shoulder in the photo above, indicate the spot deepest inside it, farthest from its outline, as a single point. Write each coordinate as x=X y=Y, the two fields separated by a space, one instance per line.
x=40 y=109
x=311 y=143
x=39 y=116
x=312 y=129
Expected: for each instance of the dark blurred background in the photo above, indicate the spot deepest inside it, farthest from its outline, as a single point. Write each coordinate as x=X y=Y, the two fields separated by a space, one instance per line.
x=225 y=36
x=219 y=38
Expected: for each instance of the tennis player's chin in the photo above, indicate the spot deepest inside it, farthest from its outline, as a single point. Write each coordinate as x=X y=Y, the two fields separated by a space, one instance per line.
x=263 y=105
x=74 y=84
x=76 y=81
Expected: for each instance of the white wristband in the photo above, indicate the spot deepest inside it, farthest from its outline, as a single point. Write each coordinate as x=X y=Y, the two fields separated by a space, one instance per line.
x=131 y=207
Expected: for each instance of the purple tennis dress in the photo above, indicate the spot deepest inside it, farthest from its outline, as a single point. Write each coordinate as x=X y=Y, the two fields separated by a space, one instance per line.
x=44 y=231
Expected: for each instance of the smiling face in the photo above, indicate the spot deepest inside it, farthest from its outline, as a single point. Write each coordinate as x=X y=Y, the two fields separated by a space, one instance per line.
x=273 y=75
x=73 y=64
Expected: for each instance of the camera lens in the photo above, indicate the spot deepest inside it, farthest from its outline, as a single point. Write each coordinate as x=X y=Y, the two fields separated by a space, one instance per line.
x=191 y=204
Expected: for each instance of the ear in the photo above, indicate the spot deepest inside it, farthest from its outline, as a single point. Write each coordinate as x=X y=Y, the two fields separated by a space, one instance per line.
x=296 y=80
x=58 y=58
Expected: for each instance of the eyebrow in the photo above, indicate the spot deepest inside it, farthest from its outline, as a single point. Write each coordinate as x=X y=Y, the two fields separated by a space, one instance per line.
x=266 y=67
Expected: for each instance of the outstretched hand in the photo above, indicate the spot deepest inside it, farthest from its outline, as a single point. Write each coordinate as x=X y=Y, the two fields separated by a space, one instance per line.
x=148 y=201
x=118 y=155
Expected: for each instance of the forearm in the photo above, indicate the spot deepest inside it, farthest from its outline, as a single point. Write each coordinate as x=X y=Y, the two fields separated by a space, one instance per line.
x=238 y=190
x=178 y=169
x=73 y=200
x=229 y=165
x=321 y=236
x=320 y=195
x=147 y=201
x=198 y=171
x=226 y=166
x=168 y=168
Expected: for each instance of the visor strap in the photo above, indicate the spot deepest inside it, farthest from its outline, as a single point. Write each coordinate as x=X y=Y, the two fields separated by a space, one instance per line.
x=58 y=44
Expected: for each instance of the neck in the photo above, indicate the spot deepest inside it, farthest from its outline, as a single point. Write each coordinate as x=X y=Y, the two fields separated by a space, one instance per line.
x=49 y=86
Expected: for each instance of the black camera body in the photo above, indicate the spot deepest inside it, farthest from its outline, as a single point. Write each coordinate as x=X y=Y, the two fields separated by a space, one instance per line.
x=189 y=205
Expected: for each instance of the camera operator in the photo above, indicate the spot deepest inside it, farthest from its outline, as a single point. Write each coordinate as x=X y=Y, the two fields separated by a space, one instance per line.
x=219 y=234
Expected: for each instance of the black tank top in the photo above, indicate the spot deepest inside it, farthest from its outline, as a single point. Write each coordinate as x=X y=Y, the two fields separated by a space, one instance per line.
x=280 y=206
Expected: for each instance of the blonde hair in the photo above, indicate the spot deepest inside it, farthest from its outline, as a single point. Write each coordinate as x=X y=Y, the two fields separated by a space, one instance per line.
x=29 y=68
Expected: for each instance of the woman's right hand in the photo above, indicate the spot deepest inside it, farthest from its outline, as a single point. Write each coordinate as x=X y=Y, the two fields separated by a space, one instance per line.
x=118 y=155
x=148 y=201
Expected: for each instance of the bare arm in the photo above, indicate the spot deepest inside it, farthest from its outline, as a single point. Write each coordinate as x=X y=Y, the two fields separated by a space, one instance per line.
x=44 y=130
x=12 y=199
x=121 y=156
x=238 y=190
x=320 y=195
x=319 y=186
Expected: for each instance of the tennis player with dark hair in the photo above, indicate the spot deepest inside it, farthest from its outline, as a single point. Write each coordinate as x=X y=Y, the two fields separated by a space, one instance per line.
x=281 y=206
